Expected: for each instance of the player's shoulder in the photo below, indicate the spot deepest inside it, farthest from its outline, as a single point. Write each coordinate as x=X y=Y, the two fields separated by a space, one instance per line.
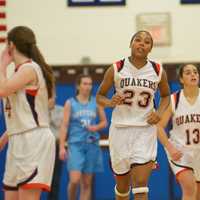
x=175 y=99
x=119 y=64
x=157 y=66
x=70 y=101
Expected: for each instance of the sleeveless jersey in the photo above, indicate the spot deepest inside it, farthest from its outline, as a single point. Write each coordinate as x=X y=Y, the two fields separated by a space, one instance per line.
x=27 y=108
x=138 y=86
x=82 y=115
x=185 y=121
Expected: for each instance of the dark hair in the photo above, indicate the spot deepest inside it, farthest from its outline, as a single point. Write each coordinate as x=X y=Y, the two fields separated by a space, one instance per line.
x=182 y=66
x=25 y=42
x=142 y=31
x=79 y=79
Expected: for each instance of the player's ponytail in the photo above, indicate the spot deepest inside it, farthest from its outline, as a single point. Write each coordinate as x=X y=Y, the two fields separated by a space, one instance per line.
x=46 y=69
x=25 y=42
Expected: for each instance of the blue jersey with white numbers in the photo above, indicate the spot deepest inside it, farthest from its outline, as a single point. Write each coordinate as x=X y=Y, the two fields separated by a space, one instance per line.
x=82 y=115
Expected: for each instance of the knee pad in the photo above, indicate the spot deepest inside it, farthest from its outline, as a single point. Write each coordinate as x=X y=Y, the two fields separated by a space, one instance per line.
x=140 y=190
x=121 y=194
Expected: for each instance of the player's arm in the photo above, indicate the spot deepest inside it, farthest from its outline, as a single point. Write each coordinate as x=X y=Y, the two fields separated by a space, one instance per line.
x=105 y=86
x=154 y=117
x=22 y=77
x=64 y=129
x=57 y=116
x=102 y=120
x=51 y=102
x=19 y=80
x=164 y=94
x=3 y=140
x=162 y=136
x=174 y=153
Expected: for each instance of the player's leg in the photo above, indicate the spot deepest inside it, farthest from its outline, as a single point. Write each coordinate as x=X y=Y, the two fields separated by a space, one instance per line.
x=197 y=172
x=188 y=184
x=119 y=154
x=198 y=191
x=74 y=181
x=140 y=176
x=186 y=175
x=11 y=195
x=29 y=194
x=86 y=186
x=93 y=164
x=75 y=164
x=54 y=193
x=9 y=182
x=122 y=187
x=144 y=154
x=10 y=174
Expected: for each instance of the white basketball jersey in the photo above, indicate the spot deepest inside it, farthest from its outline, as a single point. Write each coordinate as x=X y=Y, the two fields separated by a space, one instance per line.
x=27 y=108
x=138 y=86
x=185 y=121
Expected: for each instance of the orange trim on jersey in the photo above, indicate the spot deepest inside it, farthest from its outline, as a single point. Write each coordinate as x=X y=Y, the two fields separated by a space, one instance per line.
x=176 y=98
x=42 y=186
x=17 y=66
x=32 y=92
x=158 y=67
x=183 y=170
x=119 y=65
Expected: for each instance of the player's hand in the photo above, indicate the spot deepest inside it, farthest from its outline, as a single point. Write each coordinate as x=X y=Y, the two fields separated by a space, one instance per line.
x=5 y=58
x=153 y=118
x=92 y=128
x=62 y=154
x=117 y=99
x=3 y=141
x=174 y=153
x=1 y=145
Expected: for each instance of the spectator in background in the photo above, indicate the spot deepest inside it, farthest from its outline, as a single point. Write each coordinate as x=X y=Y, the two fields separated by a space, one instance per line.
x=80 y=128
x=56 y=114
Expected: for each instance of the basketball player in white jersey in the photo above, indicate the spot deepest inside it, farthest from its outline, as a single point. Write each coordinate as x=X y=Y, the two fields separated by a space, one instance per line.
x=31 y=145
x=185 y=133
x=132 y=135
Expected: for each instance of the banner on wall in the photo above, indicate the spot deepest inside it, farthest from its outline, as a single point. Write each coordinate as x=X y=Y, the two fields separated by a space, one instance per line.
x=96 y=2
x=3 y=26
x=190 y=1
x=158 y=24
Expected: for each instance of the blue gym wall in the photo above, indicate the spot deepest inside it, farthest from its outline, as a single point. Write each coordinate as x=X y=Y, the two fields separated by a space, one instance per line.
x=162 y=182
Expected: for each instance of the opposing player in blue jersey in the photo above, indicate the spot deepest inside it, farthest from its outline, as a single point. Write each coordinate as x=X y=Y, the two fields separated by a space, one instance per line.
x=80 y=127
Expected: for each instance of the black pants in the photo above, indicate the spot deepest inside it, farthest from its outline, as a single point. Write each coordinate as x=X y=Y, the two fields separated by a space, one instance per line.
x=54 y=193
